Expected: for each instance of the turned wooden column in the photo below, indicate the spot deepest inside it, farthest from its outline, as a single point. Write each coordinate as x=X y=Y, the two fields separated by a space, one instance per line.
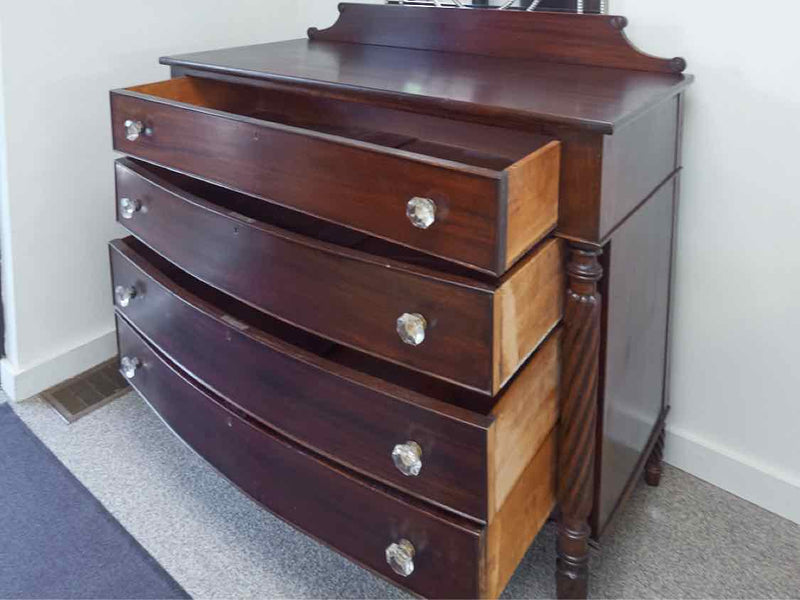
x=655 y=462
x=577 y=426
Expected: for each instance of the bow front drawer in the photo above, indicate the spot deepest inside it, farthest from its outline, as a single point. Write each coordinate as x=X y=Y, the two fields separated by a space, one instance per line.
x=473 y=194
x=458 y=449
x=376 y=297
x=354 y=516
x=429 y=551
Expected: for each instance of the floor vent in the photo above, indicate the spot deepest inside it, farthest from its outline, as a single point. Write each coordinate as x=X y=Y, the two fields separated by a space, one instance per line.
x=77 y=397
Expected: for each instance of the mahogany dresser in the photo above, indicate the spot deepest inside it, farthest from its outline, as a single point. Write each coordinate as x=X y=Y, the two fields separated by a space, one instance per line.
x=406 y=282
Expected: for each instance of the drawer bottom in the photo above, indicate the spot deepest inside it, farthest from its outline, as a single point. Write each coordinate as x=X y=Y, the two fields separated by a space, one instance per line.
x=452 y=557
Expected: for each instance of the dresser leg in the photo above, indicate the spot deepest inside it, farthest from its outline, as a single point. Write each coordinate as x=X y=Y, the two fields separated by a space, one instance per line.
x=578 y=419
x=655 y=462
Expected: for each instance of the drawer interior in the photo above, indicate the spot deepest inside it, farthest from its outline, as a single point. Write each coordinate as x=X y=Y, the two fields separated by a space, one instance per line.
x=330 y=351
x=300 y=223
x=470 y=144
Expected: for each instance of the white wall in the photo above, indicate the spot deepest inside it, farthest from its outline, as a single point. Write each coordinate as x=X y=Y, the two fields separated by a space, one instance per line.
x=735 y=377
x=59 y=59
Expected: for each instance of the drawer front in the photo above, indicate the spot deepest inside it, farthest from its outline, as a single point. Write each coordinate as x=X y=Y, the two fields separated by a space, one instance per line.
x=355 y=420
x=343 y=295
x=338 y=508
x=360 y=185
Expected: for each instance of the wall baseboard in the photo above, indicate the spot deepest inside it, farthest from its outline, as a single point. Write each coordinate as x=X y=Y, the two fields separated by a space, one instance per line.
x=775 y=491
x=20 y=384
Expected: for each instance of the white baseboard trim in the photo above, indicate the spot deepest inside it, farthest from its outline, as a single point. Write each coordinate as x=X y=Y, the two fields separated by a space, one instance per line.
x=773 y=490
x=20 y=384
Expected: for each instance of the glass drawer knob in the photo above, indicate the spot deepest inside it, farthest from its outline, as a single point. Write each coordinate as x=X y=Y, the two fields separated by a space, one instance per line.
x=400 y=557
x=124 y=295
x=421 y=212
x=411 y=328
x=128 y=206
x=133 y=129
x=408 y=458
x=130 y=366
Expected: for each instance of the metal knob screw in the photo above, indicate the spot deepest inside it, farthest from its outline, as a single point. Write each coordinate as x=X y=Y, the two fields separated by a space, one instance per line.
x=408 y=458
x=124 y=295
x=411 y=328
x=421 y=212
x=400 y=557
x=128 y=206
x=130 y=366
x=133 y=129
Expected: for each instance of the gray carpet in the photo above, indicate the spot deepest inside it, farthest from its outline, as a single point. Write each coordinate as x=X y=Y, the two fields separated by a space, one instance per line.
x=686 y=539
x=56 y=539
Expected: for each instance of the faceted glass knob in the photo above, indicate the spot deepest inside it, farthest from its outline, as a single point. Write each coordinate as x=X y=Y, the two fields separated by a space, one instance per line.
x=130 y=366
x=133 y=129
x=408 y=458
x=411 y=328
x=421 y=212
x=400 y=557
x=124 y=295
x=128 y=206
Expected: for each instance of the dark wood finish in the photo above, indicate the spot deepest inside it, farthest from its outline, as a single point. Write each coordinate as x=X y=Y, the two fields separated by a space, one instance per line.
x=349 y=416
x=357 y=183
x=655 y=462
x=607 y=178
x=353 y=516
x=464 y=94
x=603 y=177
x=352 y=297
x=490 y=90
x=577 y=429
x=592 y=40
x=349 y=296
x=636 y=160
x=309 y=392
x=635 y=479
x=636 y=308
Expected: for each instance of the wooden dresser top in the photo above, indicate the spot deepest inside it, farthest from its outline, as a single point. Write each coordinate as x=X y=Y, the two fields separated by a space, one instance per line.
x=575 y=70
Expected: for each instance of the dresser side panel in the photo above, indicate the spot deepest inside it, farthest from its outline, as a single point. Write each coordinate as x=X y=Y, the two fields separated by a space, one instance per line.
x=636 y=160
x=637 y=300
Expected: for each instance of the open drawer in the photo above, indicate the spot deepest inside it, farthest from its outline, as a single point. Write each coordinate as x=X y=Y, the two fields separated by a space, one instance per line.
x=450 y=557
x=476 y=195
x=473 y=450
x=380 y=298
x=362 y=292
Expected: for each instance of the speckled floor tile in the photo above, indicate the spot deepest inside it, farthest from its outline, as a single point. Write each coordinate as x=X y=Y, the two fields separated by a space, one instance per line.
x=686 y=539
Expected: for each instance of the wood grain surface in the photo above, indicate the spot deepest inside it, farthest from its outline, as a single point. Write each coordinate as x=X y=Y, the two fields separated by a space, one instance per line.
x=351 y=417
x=516 y=92
x=349 y=296
x=298 y=387
x=298 y=486
x=525 y=511
x=580 y=373
x=526 y=308
x=593 y=40
x=362 y=184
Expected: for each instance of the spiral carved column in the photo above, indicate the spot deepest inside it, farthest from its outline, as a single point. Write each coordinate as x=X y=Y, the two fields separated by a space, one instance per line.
x=577 y=428
x=652 y=472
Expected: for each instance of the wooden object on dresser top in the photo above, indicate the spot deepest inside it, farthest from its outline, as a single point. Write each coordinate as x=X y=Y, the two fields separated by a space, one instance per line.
x=332 y=399
x=476 y=332
x=451 y=135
